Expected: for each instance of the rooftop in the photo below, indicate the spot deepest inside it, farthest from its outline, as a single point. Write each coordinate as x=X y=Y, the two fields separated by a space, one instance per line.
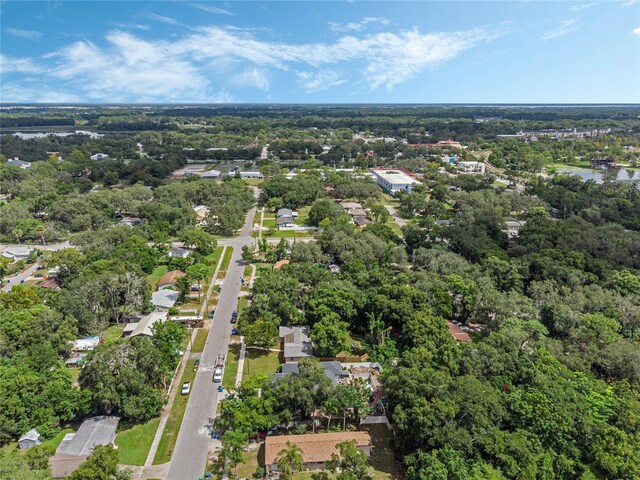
x=93 y=431
x=315 y=447
x=164 y=298
x=143 y=327
x=171 y=277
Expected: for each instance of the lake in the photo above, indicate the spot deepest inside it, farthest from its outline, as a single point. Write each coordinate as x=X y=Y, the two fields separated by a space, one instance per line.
x=617 y=174
x=30 y=135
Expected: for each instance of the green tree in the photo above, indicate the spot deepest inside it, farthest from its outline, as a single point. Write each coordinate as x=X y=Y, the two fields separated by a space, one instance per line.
x=350 y=463
x=199 y=272
x=203 y=242
x=329 y=336
x=290 y=460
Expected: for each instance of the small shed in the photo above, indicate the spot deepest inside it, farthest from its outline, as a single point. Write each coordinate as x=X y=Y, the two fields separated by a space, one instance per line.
x=29 y=439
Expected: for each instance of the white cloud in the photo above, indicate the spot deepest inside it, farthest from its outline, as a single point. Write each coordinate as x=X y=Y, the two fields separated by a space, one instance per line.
x=251 y=78
x=12 y=93
x=162 y=19
x=357 y=26
x=18 y=32
x=193 y=67
x=210 y=8
x=636 y=31
x=629 y=3
x=320 y=80
x=130 y=69
x=578 y=7
x=17 y=65
x=566 y=26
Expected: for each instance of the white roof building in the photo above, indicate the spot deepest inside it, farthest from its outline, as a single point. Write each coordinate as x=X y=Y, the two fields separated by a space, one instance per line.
x=392 y=181
x=17 y=253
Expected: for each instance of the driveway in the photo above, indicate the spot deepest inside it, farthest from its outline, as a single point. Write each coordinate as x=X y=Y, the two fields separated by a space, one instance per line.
x=192 y=446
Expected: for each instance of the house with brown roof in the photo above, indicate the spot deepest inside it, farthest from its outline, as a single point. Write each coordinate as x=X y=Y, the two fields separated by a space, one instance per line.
x=169 y=279
x=457 y=333
x=317 y=448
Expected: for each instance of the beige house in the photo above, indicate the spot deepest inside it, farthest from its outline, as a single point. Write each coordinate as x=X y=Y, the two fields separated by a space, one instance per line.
x=317 y=448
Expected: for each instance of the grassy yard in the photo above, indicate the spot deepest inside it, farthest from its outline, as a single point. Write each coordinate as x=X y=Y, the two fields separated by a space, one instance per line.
x=259 y=362
x=201 y=339
x=303 y=216
x=288 y=233
x=113 y=332
x=135 y=442
x=55 y=441
x=231 y=366
x=155 y=276
x=394 y=226
x=213 y=257
x=262 y=268
x=243 y=303
x=171 y=429
x=250 y=463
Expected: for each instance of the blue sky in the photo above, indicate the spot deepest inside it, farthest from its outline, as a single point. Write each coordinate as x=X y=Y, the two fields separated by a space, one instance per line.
x=320 y=52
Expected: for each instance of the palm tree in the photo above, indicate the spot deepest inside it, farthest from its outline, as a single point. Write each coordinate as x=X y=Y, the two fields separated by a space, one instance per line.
x=18 y=234
x=289 y=461
x=40 y=231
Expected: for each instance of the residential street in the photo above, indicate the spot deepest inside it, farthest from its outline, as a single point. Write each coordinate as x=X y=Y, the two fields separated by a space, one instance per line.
x=396 y=217
x=16 y=279
x=192 y=446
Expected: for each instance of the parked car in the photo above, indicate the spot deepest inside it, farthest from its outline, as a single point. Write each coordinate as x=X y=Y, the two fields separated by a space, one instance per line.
x=217 y=374
x=234 y=316
x=186 y=388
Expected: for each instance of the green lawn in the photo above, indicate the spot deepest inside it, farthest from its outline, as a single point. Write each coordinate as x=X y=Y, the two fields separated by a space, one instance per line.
x=113 y=332
x=231 y=366
x=201 y=339
x=303 y=215
x=226 y=260
x=269 y=223
x=262 y=268
x=213 y=257
x=55 y=441
x=250 y=463
x=289 y=233
x=259 y=362
x=243 y=303
x=135 y=442
x=155 y=276
x=172 y=427
x=394 y=226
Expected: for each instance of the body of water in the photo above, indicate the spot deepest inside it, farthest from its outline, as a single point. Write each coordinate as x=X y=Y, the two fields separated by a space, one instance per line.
x=598 y=176
x=30 y=135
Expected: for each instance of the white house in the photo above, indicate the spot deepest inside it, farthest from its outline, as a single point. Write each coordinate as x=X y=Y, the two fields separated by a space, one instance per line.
x=251 y=174
x=393 y=180
x=17 y=253
x=164 y=299
x=99 y=156
x=179 y=252
x=16 y=162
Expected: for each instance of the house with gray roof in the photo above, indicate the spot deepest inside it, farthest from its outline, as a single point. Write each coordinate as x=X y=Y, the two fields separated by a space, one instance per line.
x=76 y=447
x=164 y=299
x=333 y=371
x=16 y=162
x=179 y=252
x=29 y=439
x=295 y=343
x=144 y=326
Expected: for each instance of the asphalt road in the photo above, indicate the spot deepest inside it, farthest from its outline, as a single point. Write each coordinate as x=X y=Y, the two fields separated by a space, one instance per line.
x=17 y=279
x=192 y=446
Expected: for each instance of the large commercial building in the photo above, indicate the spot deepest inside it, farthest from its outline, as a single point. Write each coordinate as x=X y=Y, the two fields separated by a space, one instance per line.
x=393 y=180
